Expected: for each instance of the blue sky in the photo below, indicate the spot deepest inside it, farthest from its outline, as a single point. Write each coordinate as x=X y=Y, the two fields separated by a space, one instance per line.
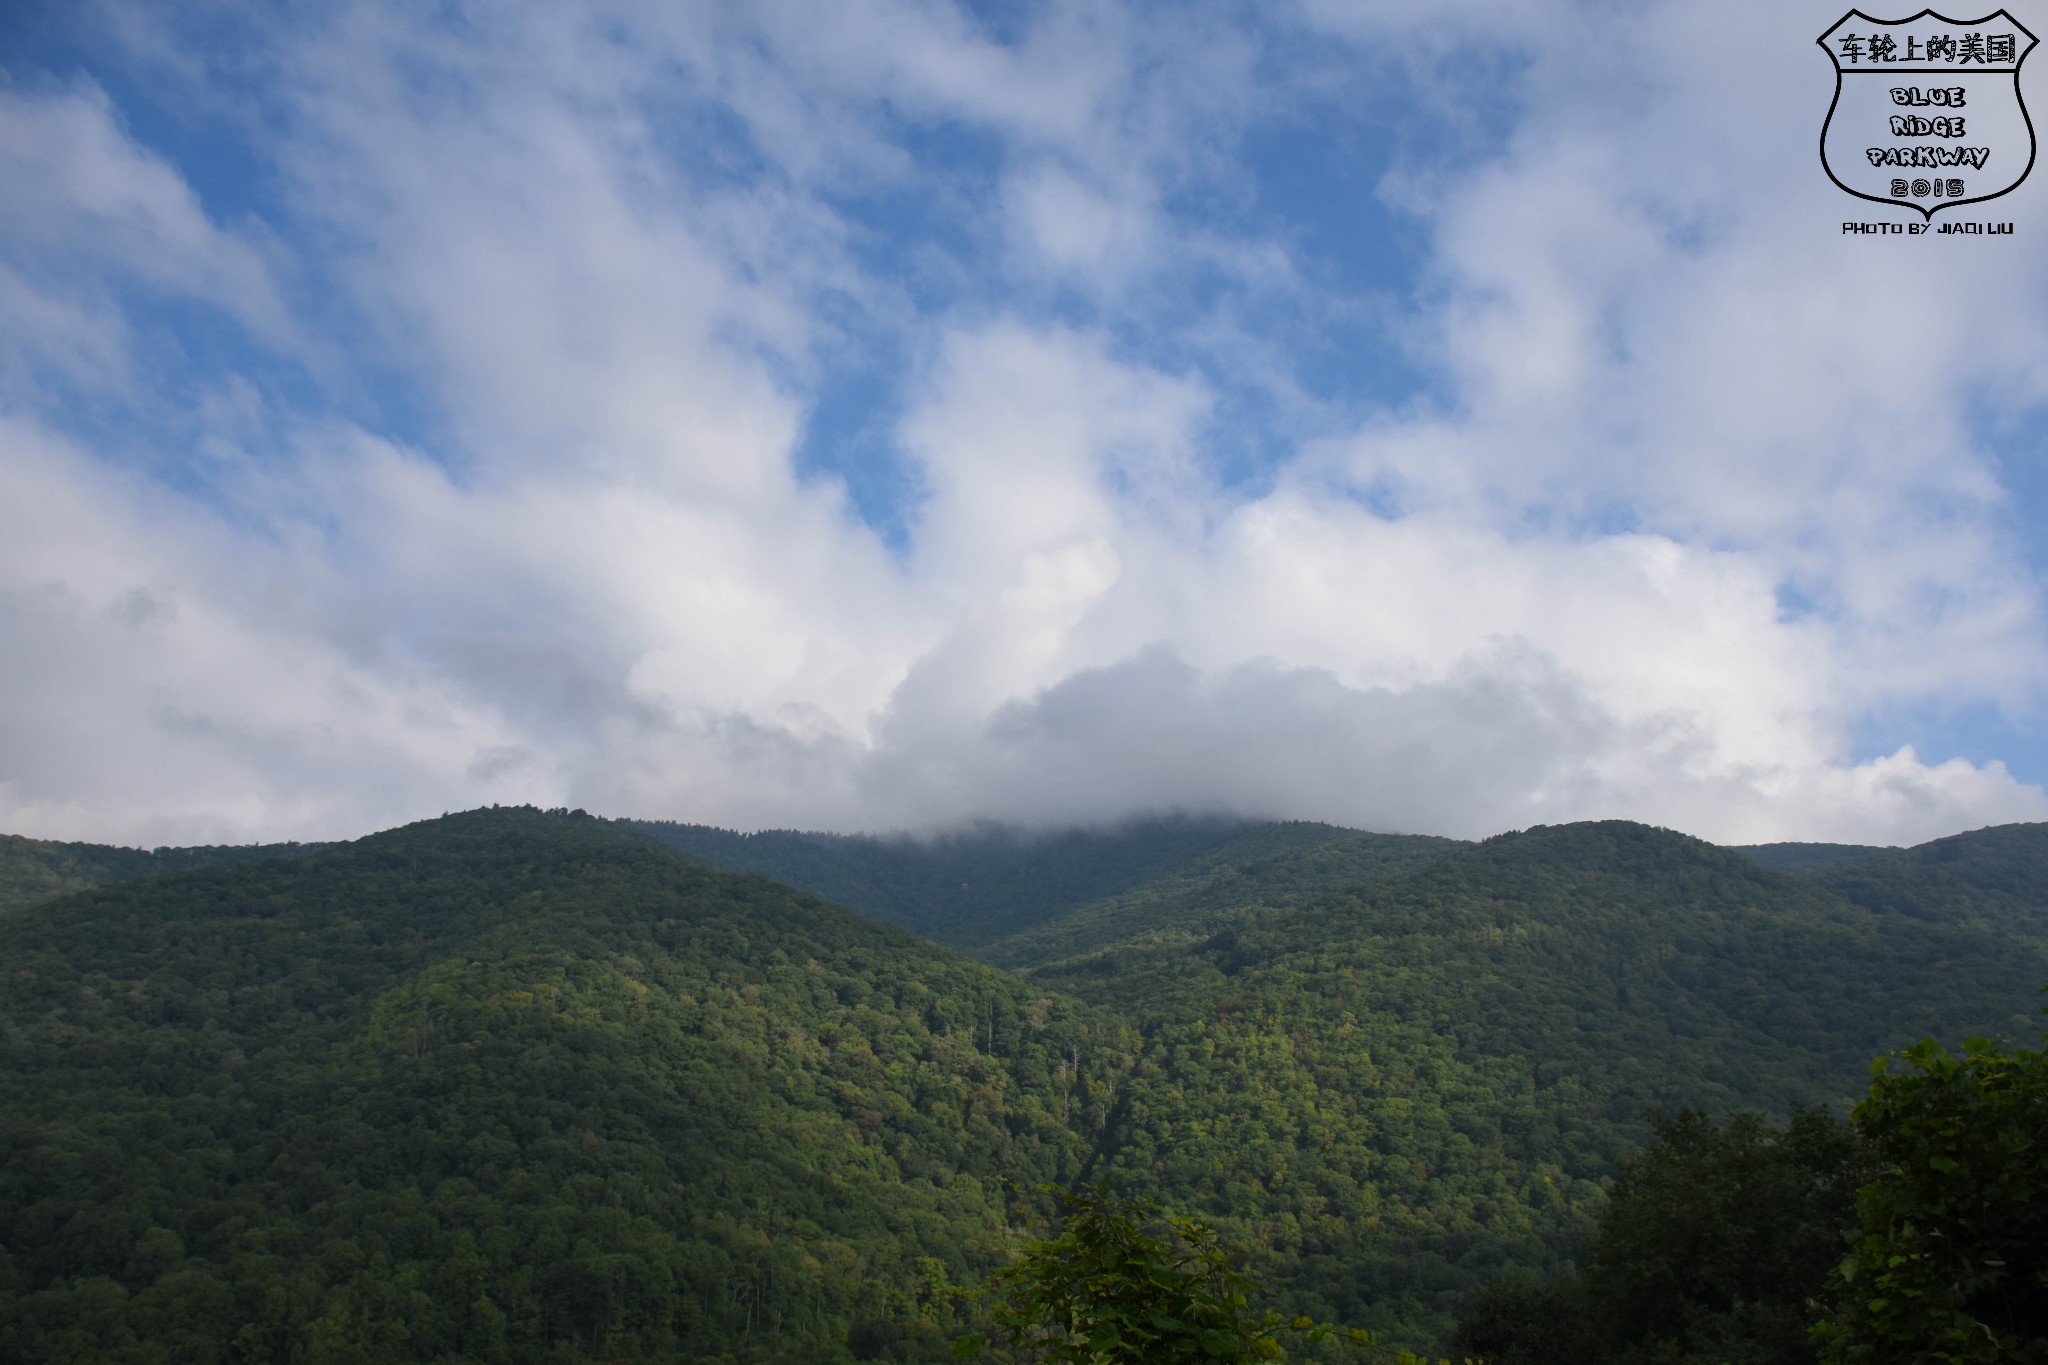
x=1438 y=417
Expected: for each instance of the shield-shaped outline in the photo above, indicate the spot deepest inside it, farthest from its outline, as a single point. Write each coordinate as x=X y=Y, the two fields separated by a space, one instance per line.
x=1926 y=213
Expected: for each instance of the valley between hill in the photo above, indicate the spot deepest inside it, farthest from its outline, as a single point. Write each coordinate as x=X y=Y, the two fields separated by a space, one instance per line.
x=527 y=1086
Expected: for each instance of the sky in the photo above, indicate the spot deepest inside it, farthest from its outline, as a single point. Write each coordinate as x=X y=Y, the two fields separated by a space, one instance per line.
x=1420 y=415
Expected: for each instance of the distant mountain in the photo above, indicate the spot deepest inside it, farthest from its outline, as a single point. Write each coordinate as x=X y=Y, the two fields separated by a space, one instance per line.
x=968 y=888
x=1993 y=879
x=509 y=1086
x=538 y=1087
x=1406 y=1088
x=1807 y=859
x=1266 y=867
x=38 y=869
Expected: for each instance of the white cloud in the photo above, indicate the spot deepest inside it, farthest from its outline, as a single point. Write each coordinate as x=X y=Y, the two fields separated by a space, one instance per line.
x=1073 y=227
x=616 y=255
x=87 y=206
x=83 y=341
x=162 y=683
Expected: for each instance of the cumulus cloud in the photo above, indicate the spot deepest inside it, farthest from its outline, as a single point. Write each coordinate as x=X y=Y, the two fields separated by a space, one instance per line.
x=539 y=516
x=167 y=676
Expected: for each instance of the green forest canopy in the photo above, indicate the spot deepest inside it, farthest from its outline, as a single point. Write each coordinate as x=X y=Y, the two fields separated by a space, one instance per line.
x=524 y=1086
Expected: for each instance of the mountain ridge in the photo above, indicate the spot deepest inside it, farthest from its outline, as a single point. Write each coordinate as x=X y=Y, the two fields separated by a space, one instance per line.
x=649 y=1105
x=964 y=888
x=553 y=1085
x=1476 y=1043
x=34 y=870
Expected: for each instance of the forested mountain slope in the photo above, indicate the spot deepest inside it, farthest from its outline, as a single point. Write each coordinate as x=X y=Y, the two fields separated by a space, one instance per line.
x=32 y=870
x=1266 y=867
x=1994 y=879
x=515 y=1086
x=507 y=1086
x=1808 y=859
x=969 y=888
x=1402 y=1090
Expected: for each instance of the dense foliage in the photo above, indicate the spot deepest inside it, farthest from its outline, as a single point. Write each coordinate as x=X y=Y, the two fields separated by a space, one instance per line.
x=1714 y=1247
x=1266 y=868
x=1950 y=1259
x=34 y=870
x=1992 y=879
x=1402 y=1093
x=1123 y=1282
x=519 y=1087
x=508 y=1088
x=1120 y=1282
x=970 y=888
x=1807 y=859
x=1726 y=1243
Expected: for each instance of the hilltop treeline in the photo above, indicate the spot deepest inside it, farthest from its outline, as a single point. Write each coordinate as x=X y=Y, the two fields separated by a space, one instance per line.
x=518 y=1086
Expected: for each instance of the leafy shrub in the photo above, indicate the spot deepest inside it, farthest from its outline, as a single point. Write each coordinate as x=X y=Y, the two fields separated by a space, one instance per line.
x=1950 y=1259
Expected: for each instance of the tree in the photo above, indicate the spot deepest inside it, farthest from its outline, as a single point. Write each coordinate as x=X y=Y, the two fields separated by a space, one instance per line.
x=1715 y=1242
x=1950 y=1259
x=1105 y=1291
x=1718 y=1238
x=1124 y=1283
